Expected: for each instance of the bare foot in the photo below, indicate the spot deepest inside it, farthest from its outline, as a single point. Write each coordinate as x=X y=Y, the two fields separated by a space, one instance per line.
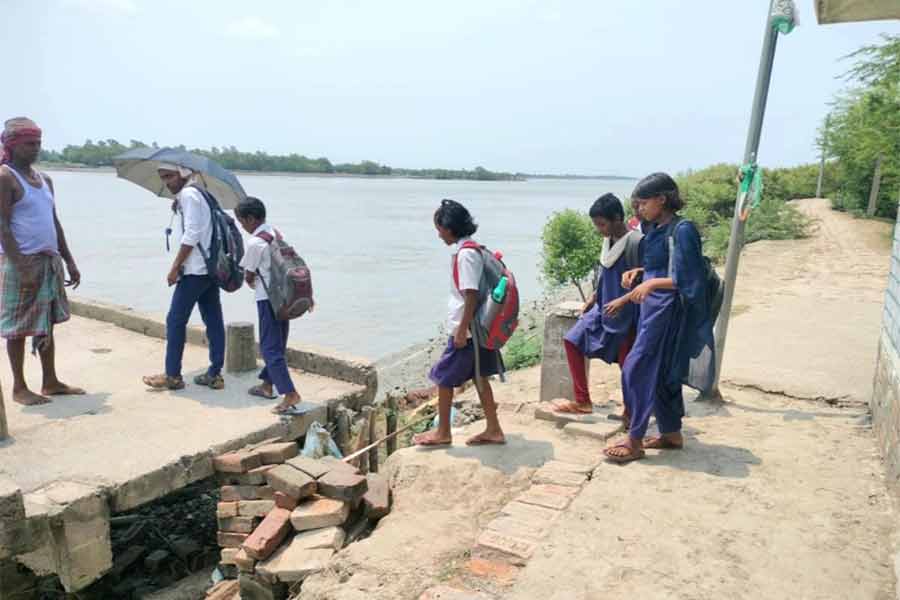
x=667 y=441
x=487 y=438
x=61 y=389
x=568 y=406
x=28 y=398
x=432 y=438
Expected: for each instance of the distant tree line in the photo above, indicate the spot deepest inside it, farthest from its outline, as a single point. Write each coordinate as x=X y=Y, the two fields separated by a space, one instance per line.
x=102 y=152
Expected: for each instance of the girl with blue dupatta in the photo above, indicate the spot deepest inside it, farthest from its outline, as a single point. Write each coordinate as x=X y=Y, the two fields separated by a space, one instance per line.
x=674 y=343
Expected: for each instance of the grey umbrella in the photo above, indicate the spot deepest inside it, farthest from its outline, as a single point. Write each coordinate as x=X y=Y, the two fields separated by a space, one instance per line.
x=140 y=166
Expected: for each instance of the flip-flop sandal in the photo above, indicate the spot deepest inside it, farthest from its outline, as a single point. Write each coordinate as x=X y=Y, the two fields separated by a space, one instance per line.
x=431 y=444
x=631 y=456
x=481 y=442
x=569 y=407
x=257 y=391
x=284 y=409
x=661 y=443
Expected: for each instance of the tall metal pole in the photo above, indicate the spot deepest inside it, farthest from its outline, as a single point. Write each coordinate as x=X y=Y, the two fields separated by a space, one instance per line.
x=736 y=243
x=822 y=161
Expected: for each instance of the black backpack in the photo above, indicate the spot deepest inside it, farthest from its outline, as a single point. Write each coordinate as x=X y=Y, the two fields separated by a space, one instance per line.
x=715 y=290
x=226 y=247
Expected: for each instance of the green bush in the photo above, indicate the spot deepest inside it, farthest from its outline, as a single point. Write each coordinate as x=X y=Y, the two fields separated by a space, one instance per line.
x=571 y=248
x=709 y=196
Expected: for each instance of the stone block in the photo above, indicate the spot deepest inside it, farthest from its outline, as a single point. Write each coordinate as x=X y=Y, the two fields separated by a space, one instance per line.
x=583 y=468
x=516 y=550
x=312 y=467
x=548 y=496
x=236 y=462
x=291 y=482
x=530 y=512
x=243 y=562
x=343 y=485
x=268 y=535
x=555 y=476
x=237 y=524
x=231 y=540
x=265 y=492
x=329 y=537
x=225 y=510
x=336 y=464
x=318 y=512
x=602 y=430
x=282 y=500
x=443 y=592
x=556 y=382
x=292 y=563
x=257 y=588
x=234 y=493
x=516 y=528
x=255 y=508
x=377 y=499
x=277 y=453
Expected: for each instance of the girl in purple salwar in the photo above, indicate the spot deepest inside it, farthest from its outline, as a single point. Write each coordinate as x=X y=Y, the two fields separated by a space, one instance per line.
x=675 y=325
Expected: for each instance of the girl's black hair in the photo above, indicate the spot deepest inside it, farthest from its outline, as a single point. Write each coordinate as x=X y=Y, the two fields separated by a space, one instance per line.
x=453 y=216
x=609 y=207
x=659 y=184
x=251 y=207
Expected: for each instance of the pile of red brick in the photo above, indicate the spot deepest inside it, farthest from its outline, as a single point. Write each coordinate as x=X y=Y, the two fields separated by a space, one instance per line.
x=282 y=516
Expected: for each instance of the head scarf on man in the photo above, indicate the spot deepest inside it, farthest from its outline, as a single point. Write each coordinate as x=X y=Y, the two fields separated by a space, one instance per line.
x=17 y=131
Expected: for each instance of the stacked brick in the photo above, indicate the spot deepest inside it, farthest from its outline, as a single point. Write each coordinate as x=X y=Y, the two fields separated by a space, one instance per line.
x=282 y=516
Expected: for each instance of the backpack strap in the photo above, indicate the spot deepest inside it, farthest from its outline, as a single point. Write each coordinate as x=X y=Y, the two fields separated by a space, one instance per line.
x=470 y=245
x=670 y=239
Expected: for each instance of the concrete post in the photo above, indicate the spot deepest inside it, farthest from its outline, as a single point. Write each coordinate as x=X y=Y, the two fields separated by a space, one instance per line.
x=4 y=429
x=240 y=348
x=556 y=382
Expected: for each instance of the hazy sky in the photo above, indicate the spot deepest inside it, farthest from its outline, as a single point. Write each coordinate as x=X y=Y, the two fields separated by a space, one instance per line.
x=591 y=86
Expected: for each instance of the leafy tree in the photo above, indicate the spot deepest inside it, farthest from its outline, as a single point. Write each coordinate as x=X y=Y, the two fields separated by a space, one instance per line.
x=571 y=248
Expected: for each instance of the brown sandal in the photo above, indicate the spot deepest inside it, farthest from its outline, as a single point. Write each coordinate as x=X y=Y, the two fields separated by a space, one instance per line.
x=572 y=408
x=661 y=443
x=163 y=382
x=623 y=458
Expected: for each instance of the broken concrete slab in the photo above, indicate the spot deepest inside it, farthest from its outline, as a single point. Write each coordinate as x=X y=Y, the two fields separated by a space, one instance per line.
x=292 y=563
x=329 y=537
x=318 y=512
x=343 y=485
x=530 y=512
x=268 y=535
x=585 y=468
x=15 y=537
x=291 y=482
x=377 y=499
x=601 y=430
x=518 y=528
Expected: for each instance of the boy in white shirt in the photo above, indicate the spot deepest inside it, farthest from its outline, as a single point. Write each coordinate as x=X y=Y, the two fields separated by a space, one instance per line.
x=273 y=334
x=456 y=366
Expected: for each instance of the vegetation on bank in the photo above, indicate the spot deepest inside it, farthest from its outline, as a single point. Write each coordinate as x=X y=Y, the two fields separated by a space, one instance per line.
x=101 y=153
x=863 y=125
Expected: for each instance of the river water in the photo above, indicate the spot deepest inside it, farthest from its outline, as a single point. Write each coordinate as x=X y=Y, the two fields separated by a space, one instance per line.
x=380 y=274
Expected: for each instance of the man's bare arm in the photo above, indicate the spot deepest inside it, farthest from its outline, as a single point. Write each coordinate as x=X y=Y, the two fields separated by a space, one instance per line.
x=7 y=200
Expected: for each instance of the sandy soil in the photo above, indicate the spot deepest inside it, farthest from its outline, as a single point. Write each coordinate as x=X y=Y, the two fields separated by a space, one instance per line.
x=779 y=493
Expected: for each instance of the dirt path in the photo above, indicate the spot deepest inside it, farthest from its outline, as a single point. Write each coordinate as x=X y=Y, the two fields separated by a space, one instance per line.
x=777 y=495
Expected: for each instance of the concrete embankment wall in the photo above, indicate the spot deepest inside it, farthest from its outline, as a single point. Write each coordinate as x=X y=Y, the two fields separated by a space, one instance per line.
x=885 y=401
x=326 y=363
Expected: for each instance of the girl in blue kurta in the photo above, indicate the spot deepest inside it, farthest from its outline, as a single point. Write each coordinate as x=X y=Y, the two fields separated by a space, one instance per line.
x=598 y=335
x=674 y=332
